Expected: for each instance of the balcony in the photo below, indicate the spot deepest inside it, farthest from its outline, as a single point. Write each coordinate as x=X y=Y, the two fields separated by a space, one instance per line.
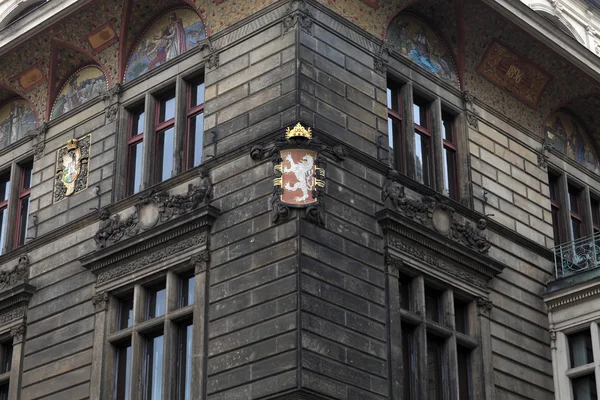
x=577 y=256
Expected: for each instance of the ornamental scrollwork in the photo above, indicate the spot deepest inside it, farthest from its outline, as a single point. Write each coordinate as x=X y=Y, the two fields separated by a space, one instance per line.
x=200 y=261
x=542 y=156
x=100 y=301
x=18 y=333
x=485 y=305
x=17 y=276
x=302 y=16
x=12 y=315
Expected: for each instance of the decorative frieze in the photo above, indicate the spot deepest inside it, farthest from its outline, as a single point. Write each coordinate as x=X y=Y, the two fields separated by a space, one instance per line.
x=12 y=315
x=72 y=168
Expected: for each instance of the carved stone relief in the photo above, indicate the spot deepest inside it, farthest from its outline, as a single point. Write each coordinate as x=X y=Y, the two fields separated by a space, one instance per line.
x=200 y=261
x=19 y=275
x=72 y=168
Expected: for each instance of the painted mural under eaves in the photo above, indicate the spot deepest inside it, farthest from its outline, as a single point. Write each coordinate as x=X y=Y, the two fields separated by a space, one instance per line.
x=173 y=34
x=83 y=85
x=415 y=40
x=569 y=137
x=16 y=119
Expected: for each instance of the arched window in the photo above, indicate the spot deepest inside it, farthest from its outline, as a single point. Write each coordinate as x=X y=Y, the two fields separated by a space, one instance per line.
x=16 y=119
x=568 y=136
x=83 y=85
x=415 y=40
x=174 y=33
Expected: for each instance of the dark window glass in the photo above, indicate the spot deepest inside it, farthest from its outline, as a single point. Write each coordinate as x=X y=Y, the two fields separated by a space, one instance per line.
x=27 y=174
x=434 y=368
x=392 y=99
x=23 y=220
x=584 y=388
x=125 y=313
x=3 y=223
x=187 y=290
x=197 y=94
x=405 y=292
x=6 y=352
x=196 y=133
x=423 y=154
x=450 y=172
x=461 y=316
x=164 y=154
x=553 y=182
x=447 y=128
x=4 y=392
x=580 y=348
x=166 y=108
x=4 y=187
x=23 y=211
x=576 y=224
x=408 y=365
x=153 y=368
x=157 y=301
x=574 y=200
x=596 y=215
x=556 y=226
x=135 y=167
x=123 y=373
x=185 y=363
x=432 y=304
x=464 y=371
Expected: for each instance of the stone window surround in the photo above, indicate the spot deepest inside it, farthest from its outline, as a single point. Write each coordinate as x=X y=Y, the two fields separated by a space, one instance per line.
x=16 y=330
x=178 y=82
x=13 y=207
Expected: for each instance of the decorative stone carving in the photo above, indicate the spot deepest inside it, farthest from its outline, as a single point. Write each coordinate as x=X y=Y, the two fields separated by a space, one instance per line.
x=153 y=257
x=298 y=14
x=18 y=333
x=113 y=94
x=19 y=274
x=200 y=261
x=12 y=315
x=397 y=244
x=100 y=301
x=484 y=305
x=38 y=138
x=72 y=168
x=542 y=156
x=552 y=333
x=380 y=61
x=471 y=113
x=111 y=112
x=434 y=212
x=212 y=61
x=298 y=172
x=151 y=209
x=393 y=265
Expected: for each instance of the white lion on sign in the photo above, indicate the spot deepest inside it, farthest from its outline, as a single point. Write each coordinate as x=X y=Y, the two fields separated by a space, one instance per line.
x=303 y=171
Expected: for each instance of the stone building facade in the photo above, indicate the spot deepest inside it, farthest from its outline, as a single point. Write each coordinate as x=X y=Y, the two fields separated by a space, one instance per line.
x=298 y=200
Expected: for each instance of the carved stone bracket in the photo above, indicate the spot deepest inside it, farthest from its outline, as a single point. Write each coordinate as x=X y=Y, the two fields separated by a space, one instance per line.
x=471 y=113
x=210 y=54
x=18 y=333
x=435 y=213
x=200 y=261
x=380 y=61
x=153 y=209
x=542 y=156
x=38 y=139
x=484 y=305
x=18 y=276
x=111 y=97
x=298 y=13
x=393 y=265
x=100 y=301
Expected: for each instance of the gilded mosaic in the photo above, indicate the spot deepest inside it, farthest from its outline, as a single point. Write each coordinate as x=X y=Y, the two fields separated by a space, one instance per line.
x=16 y=119
x=82 y=86
x=72 y=167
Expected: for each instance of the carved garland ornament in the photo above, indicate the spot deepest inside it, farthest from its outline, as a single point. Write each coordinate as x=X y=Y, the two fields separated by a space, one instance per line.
x=301 y=16
x=113 y=229
x=298 y=172
x=12 y=315
x=19 y=274
x=72 y=168
x=436 y=213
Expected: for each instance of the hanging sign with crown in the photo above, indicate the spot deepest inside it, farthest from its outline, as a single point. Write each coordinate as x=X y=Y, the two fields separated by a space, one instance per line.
x=72 y=168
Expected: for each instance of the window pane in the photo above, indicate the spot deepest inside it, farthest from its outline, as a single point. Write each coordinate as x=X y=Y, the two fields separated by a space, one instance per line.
x=574 y=200
x=4 y=187
x=157 y=301
x=595 y=209
x=185 y=363
x=23 y=220
x=4 y=392
x=580 y=348
x=556 y=226
x=420 y=113
x=6 y=349
x=125 y=313
x=461 y=316
x=164 y=155
x=154 y=368
x=3 y=223
x=394 y=134
x=166 y=108
x=434 y=368
x=135 y=167
x=450 y=172
x=405 y=292
x=553 y=185
x=392 y=99
x=196 y=124
x=137 y=122
x=432 y=304
x=464 y=370
x=123 y=373
x=187 y=290
x=576 y=224
x=408 y=366
x=584 y=388
x=197 y=95
x=447 y=128
x=422 y=153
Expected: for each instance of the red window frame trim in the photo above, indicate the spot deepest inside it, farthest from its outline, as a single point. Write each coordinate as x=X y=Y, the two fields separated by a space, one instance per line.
x=161 y=127
x=22 y=194
x=191 y=111
x=398 y=117
x=575 y=214
x=451 y=144
x=133 y=140
x=555 y=205
x=426 y=132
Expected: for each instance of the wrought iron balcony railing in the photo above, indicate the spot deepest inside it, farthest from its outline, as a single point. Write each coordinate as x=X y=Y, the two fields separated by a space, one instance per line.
x=577 y=256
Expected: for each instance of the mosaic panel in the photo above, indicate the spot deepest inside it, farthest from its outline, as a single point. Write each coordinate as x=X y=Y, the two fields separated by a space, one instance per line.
x=416 y=41
x=567 y=135
x=81 y=87
x=16 y=119
x=171 y=35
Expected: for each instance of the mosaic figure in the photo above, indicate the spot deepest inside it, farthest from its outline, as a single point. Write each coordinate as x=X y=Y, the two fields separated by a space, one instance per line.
x=82 y=86
x=413 y=39
x=569 y=137
x=16 y=119
x=171 y=35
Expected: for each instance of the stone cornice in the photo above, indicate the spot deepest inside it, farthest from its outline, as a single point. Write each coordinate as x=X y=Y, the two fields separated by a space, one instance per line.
x=573 y=298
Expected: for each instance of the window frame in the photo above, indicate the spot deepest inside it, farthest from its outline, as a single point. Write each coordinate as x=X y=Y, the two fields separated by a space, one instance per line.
x=132 y=141
x=192 y=112
x=22 y=194
x=426 y=131
x=453 y=147
x=161 y=128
